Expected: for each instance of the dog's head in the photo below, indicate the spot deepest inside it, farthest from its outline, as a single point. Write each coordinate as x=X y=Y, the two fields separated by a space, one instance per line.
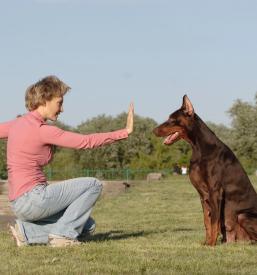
x=178 y=124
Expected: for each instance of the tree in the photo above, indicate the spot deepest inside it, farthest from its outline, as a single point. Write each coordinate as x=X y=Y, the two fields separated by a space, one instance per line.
x=244 y=117
x=119 y=154
x=225 y=134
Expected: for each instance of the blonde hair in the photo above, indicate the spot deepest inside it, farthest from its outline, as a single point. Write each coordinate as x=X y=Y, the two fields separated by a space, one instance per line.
x=44 y=90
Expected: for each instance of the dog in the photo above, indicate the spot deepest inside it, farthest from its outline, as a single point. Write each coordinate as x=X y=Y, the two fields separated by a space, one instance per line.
x=228 y=198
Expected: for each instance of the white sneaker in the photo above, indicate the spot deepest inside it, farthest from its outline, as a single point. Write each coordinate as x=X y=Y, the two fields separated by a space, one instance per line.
x=17 y=235
x=61 y=241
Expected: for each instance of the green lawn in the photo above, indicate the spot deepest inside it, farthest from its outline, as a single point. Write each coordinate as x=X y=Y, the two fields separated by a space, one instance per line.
x=153 y=228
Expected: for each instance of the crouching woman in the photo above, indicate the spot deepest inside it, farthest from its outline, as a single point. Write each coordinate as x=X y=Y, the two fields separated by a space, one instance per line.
x=55 y=214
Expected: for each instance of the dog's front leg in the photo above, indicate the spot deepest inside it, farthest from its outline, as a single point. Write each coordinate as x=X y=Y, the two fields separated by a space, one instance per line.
x=230 y=223
x=215 y=227
x=207 y=220
x=212 y=208
x=216 y=205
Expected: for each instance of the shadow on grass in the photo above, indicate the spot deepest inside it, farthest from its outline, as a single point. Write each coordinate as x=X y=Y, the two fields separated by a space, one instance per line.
x=182 y=229
x=119 y=234
x=116 y=235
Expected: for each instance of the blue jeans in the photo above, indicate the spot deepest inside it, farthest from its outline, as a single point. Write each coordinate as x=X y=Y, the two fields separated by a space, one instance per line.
x=60 y=208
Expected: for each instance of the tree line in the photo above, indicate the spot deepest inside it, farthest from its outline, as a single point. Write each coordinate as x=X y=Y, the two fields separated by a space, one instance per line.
x=142 y=150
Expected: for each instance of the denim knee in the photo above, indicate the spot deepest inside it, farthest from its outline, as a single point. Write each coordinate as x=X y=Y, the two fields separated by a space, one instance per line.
x=98 y=184
x=95 y=183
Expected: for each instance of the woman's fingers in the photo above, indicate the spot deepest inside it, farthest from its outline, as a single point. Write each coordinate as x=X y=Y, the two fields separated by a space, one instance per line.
x=130 y=118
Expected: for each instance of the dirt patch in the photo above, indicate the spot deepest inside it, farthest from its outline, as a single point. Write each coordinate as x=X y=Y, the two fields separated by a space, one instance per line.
x=5 y=220
x=114 y=188
x=6 y=215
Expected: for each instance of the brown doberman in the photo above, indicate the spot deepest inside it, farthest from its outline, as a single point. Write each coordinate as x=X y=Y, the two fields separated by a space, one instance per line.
x=228 y=198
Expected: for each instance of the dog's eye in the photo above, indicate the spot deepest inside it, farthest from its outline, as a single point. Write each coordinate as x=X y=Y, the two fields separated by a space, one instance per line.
x=172 y=120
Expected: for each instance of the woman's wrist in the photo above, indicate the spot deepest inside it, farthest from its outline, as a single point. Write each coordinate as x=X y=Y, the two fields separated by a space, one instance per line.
x=128 y=131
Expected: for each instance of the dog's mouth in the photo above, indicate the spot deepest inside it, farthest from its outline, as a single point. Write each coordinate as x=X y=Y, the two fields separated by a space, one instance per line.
x=171 y=138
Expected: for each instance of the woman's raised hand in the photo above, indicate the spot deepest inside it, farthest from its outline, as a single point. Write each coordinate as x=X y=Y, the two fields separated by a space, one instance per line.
x=130 y=119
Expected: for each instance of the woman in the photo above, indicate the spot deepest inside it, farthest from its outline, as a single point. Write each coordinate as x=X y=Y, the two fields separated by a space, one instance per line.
x=59 y=213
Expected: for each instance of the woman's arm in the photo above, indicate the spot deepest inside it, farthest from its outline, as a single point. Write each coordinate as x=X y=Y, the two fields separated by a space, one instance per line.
x=56 y=136
x=4 y=128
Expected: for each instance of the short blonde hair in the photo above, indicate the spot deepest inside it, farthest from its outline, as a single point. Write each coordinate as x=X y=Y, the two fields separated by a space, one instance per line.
x=44 y=90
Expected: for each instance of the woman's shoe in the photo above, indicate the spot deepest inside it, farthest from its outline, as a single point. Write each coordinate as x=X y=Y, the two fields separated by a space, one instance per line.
x=17 y=235
x=61 y=241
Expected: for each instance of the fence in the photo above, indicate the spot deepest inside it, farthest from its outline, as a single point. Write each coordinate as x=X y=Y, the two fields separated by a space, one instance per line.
x=104 y=174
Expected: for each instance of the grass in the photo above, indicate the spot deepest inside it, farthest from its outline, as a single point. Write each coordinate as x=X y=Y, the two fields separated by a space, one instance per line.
x=153 y=228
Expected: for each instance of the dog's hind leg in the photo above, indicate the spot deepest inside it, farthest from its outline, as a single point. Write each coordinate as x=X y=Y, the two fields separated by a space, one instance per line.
x=241 y=234
x=249 y=224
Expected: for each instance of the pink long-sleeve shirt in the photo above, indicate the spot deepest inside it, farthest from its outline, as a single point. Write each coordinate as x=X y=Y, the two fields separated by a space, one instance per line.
x=29 y=148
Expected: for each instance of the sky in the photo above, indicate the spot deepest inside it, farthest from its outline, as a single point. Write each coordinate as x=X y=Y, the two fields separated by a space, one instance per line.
x=112 y=52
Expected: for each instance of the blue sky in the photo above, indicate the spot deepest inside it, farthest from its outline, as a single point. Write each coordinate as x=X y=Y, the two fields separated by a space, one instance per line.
x=112 y=52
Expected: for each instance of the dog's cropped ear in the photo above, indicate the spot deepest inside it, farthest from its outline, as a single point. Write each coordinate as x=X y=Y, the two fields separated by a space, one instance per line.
x=187 y=106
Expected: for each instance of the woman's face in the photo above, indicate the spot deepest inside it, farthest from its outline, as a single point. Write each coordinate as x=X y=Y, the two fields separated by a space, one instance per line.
x=54 y=108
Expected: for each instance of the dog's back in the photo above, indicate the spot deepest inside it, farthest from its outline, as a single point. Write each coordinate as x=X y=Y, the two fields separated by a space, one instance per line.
x=218 y=162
